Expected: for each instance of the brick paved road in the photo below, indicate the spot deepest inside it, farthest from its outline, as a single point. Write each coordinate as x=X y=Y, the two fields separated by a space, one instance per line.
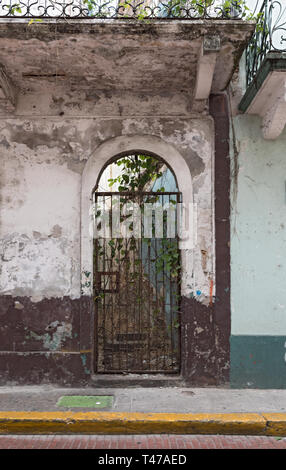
x=141 y=442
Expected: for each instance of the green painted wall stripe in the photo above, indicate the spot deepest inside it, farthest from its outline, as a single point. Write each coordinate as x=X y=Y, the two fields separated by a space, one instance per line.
x=257 y=361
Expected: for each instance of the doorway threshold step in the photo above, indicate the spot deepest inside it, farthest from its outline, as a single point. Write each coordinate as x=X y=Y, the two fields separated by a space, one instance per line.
x=137 y=380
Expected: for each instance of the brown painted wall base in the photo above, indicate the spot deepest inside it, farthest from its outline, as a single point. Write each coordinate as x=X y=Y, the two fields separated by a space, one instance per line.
x=45 y=342
x=68 y=369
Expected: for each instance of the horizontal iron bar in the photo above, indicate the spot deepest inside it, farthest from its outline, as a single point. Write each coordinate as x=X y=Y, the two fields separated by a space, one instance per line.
x=135 y=193
x=83 y=18
x=123 y=372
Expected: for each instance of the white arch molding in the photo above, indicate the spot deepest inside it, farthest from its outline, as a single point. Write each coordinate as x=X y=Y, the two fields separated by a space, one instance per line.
x=102 y=155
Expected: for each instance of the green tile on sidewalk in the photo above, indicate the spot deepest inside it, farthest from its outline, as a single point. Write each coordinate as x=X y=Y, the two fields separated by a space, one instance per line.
x=85 y=401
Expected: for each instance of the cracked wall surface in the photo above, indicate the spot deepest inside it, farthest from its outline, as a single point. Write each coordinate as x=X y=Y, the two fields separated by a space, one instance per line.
x=40 y=180
x=40 y=188
x=63 y=116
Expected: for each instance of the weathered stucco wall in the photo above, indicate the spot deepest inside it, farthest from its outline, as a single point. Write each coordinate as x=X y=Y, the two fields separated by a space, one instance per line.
x=41 y=186
x=258 y=251
x=73 y=90
x=40 y=226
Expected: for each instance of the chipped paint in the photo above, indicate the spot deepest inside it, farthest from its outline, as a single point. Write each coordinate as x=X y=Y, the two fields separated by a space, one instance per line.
x=50 y=231
x=57 y=332
x=71 y=117
x=84 y=362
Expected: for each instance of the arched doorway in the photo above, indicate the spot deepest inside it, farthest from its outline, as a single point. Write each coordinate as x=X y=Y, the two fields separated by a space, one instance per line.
x=136 y=266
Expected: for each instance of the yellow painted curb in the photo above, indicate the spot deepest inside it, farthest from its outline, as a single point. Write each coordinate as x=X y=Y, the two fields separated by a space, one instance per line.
x=13 y=422
x=275 y=424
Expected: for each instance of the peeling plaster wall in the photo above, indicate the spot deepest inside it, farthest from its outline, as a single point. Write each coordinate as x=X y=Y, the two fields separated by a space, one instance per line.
x=39 y=225
x=79 y=86
x=258 y=252
x=40 y=188
x=41 y=175
x=71 y=101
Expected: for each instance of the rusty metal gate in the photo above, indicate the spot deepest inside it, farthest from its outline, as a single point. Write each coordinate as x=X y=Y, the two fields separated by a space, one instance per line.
x=136 y=286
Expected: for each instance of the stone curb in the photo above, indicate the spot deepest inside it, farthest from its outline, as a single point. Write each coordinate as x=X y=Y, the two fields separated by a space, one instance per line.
x=68 y=422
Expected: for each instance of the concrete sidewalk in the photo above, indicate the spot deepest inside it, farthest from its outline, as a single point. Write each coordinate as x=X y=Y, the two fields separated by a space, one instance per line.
x=38 y=410
x=148 y=400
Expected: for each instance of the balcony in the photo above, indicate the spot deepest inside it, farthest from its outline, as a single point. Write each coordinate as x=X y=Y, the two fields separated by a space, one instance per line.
x=180 y=50
x=265 y=93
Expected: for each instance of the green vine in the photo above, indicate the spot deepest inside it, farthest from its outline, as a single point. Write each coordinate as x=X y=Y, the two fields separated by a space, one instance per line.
x=137 y=172
x=168 y=259
x=175 y=8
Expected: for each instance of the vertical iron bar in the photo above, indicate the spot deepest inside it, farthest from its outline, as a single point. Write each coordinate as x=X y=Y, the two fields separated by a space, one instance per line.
x=164 y=312
x=111 y=295
x=95 y=289
x=142 y=299
x=104 y=296
x=171 y=313
x=128 y=308
x=149 y=300
x=178 y=288
x=117 y=297
x=157 y=304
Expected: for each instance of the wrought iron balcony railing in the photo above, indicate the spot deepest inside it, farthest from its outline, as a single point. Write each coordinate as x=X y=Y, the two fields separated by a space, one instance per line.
x=270 y=35
x=120 y=9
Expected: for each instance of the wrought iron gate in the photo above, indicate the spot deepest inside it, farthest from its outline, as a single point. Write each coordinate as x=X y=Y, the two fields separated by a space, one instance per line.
x=136 y=287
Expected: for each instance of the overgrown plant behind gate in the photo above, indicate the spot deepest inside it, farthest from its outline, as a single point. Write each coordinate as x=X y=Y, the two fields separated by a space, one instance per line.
x=137 y=279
